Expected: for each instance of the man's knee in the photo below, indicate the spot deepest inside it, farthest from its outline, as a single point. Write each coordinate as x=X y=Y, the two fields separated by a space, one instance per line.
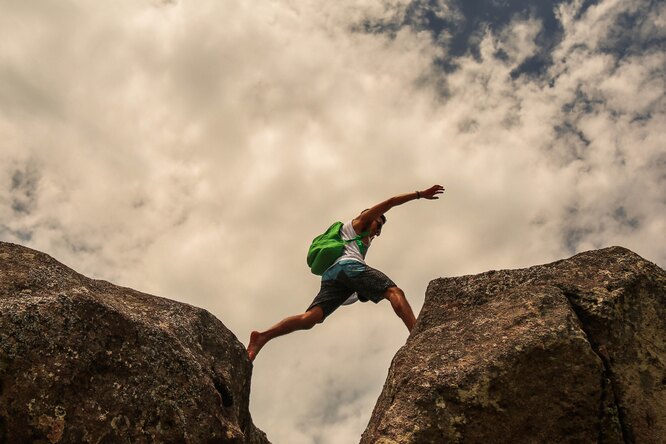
x=394 y=294
x=313 y=317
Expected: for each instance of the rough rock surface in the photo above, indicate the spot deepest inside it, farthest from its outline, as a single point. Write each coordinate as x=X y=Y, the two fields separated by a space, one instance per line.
x=573 y=351
x=85 y=361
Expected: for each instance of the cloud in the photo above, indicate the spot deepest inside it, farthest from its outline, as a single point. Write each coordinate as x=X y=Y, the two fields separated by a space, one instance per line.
x=194 y=150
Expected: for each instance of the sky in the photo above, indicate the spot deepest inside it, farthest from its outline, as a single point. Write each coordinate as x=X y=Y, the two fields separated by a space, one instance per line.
x=192 y=150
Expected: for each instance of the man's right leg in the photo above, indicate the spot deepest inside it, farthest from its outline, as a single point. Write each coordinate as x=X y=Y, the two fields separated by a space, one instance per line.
x=401 y=307
x=303 y=321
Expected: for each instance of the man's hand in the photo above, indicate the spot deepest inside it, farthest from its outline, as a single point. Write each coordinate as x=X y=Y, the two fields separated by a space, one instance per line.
x=432 y=192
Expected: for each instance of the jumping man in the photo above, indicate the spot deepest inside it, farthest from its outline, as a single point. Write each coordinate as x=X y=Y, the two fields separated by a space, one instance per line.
x=349 y=276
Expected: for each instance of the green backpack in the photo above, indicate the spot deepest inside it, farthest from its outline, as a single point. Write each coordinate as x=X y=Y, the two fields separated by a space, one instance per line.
x=327 y=247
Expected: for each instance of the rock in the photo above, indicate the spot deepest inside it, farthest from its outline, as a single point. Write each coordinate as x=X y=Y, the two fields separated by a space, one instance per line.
x=86 y=361
x=573 y=351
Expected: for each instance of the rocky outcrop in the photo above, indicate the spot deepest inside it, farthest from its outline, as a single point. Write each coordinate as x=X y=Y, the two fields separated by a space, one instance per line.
x=573 y=351
x=85 y=361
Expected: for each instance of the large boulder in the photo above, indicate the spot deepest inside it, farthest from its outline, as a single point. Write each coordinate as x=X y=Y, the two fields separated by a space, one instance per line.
x=573 y=351
x=86 y=361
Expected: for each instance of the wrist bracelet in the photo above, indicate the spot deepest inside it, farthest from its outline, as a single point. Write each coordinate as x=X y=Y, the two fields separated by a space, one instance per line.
x=418 y=195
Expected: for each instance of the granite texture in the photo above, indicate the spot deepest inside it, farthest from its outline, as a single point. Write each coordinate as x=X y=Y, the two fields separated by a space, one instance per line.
x=86 y=361
x=569 y=352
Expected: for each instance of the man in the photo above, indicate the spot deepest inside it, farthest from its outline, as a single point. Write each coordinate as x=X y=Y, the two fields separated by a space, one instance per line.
x=350 y=275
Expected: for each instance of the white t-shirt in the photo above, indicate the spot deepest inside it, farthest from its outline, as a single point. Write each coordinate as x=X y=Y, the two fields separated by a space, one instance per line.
x=352 y=251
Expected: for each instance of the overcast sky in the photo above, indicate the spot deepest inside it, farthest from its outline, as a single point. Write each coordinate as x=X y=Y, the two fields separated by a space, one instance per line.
x=193 y=149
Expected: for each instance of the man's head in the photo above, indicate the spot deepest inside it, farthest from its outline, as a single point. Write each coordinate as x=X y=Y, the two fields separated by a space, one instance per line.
x=376 y=225
x=379 y=223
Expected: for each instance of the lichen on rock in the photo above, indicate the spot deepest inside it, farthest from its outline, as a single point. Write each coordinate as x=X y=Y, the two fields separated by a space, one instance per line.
x=84 y=361
x=573 y=351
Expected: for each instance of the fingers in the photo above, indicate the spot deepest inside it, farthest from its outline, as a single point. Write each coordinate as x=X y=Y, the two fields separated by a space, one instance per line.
x=433 y=191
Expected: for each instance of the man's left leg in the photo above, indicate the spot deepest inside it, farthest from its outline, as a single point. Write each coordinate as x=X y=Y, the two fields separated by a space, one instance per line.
x=401 y=307
x=288 y=325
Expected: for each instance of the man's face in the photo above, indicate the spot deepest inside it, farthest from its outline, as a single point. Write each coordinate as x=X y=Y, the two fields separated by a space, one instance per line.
x=377 y=229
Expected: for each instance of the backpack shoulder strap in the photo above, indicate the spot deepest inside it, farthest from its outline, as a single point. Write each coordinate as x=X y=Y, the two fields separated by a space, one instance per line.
x=358 y=237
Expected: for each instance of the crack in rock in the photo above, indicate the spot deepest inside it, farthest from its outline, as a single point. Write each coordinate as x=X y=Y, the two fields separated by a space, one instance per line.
x=601 y=352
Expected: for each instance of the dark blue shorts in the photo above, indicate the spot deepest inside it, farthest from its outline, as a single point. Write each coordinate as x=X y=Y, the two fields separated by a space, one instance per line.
x=346 y=278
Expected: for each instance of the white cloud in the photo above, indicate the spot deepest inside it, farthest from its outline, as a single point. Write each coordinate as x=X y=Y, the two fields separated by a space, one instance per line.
x=194 y=150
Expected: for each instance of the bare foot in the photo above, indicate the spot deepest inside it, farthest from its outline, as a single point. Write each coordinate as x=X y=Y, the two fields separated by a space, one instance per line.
x=256 y=342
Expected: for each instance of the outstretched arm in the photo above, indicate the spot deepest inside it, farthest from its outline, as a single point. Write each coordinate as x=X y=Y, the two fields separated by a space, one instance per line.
x=366 y=218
